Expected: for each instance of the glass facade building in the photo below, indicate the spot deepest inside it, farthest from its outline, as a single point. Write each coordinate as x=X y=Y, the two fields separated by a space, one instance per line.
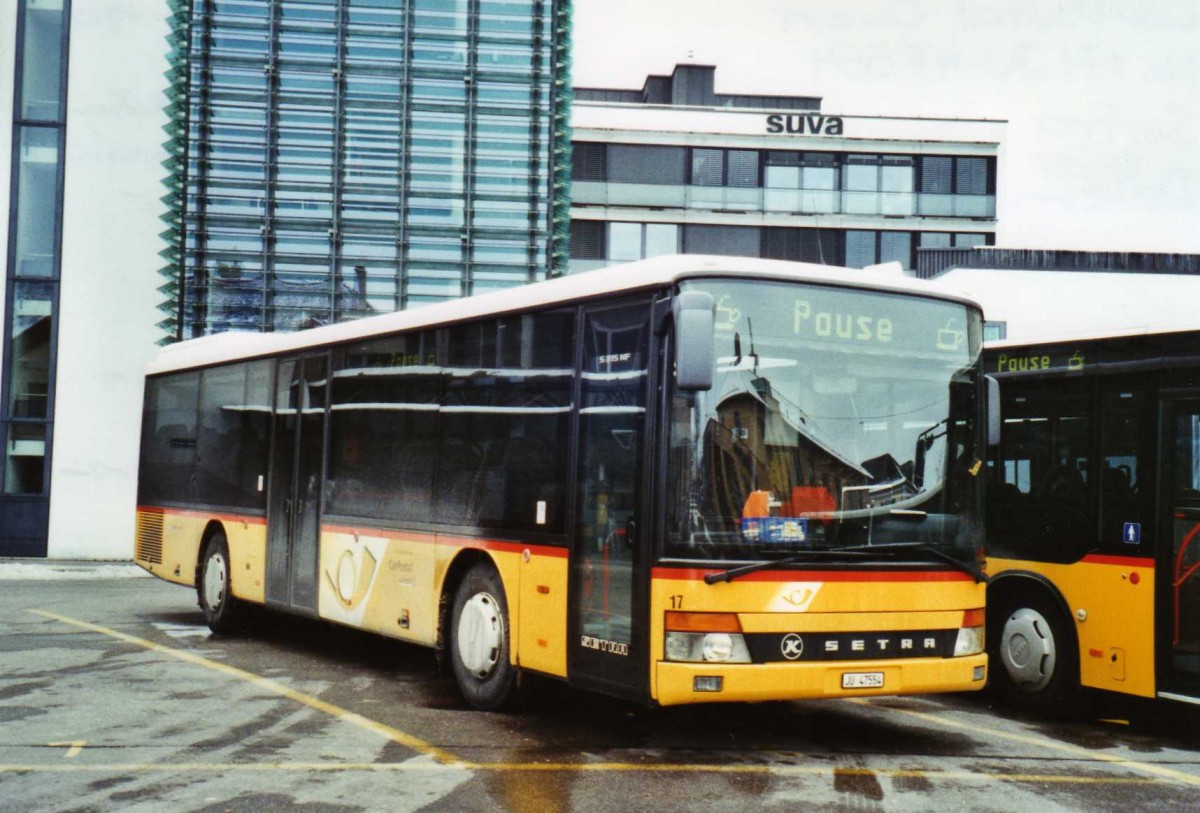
x=332 y=159
x=33 y=263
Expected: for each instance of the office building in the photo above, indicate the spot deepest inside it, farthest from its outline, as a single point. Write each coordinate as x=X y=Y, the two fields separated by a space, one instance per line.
x=337 y=159
x=676 y=167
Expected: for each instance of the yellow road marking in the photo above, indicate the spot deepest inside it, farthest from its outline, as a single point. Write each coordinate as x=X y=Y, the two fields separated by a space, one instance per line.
x=73 y=747
x=1041 y=742
x=448 y=760
x=565 y=767
x=385 y=731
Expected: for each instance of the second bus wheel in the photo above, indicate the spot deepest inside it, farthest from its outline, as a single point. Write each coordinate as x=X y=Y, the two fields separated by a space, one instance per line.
x=479 y=643
x=1035 y=663
x=222 y=611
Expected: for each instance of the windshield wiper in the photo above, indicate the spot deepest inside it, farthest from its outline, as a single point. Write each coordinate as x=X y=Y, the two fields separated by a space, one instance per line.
x=733 y=573
x=970 y=568
x=855 y=551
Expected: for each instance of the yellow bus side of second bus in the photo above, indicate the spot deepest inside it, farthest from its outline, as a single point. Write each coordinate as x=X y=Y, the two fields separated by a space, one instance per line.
x=1111 y=604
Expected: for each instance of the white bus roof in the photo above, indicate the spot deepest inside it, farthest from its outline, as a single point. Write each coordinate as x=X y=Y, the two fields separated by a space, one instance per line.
x=654 y=273
x=1091 y=336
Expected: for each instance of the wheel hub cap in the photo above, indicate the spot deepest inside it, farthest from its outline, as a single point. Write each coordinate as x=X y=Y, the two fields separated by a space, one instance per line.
x=480 y=634
x=1027 y=649
x=214 y=581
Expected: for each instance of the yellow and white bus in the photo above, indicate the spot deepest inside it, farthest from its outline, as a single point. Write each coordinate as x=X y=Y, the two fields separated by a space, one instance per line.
x=682 y=480
x=1094 y=518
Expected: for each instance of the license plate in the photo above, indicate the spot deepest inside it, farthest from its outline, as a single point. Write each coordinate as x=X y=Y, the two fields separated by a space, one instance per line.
x=862 y=680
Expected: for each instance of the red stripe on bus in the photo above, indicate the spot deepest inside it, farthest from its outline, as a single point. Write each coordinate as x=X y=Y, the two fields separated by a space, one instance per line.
x=1120 y=561
x=407 y=536
x=694 y=574
x=184 y=512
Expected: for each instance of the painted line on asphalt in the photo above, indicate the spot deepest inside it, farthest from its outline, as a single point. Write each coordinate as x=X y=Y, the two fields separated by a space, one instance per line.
x=448 y=760
x=386 y=731
x=1040 y=742
x=415 y=766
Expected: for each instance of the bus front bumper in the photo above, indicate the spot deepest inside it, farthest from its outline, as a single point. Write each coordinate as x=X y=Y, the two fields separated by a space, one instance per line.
x=679 y=683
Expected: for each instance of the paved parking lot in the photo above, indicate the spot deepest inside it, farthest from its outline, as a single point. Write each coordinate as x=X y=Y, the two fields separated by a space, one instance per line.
x=113 y=696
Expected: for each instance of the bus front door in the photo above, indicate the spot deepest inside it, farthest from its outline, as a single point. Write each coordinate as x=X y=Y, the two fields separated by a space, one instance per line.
x=1180 y=560
x=293 y=526
x=606 y=641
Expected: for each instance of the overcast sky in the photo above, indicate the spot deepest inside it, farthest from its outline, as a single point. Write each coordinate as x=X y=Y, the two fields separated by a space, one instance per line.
x=1102 y=98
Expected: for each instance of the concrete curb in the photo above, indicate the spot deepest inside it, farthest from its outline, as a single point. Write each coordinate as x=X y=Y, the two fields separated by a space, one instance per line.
x=62 y=570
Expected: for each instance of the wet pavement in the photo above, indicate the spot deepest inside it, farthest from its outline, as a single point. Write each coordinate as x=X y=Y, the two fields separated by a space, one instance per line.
x=113 y=696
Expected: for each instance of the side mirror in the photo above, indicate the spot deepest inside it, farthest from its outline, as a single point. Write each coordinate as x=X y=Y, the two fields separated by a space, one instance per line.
x=694 y=314
x=993 y=411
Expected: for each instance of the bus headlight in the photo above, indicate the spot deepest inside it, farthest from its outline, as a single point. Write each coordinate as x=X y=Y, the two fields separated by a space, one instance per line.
x=706 y=647
x=969 y=641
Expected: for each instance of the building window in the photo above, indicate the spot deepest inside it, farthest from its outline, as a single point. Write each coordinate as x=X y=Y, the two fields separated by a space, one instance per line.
x=821 y=246
x=743 y=169
x=865 y=248
x=995 y=331
x=860 y=249
x=587 y=239
x=896 y=246
x=800 y=182
x=628 y=163
x=29 y=332
x=729 y=241
x=969 y=240
x=708 y=167
x=960 y=186
x=588 y=162
x=639 y=241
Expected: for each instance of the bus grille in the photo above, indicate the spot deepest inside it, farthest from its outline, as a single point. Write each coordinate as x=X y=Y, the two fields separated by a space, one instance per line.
x=150 y=536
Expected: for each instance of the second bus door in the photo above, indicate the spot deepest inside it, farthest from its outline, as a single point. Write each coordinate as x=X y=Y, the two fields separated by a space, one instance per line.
x=293 y=523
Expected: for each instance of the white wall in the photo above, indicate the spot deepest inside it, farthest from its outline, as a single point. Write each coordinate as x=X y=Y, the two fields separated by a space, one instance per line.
x=110 y=260
x=1060 y=304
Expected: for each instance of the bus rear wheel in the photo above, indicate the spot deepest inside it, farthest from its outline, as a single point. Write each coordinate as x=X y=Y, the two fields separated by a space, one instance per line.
x=222 y=611
x=479 y=642
x=1035 y=665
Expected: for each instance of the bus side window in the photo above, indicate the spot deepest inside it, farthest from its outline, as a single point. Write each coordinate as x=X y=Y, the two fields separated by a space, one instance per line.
x=1124 y=470
x=1040 y=497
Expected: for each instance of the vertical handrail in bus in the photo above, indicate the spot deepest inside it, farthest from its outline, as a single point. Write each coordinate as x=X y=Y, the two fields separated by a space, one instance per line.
x=1178 y=580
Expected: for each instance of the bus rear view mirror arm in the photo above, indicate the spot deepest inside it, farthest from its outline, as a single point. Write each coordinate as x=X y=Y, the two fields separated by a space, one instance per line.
x=693 y=313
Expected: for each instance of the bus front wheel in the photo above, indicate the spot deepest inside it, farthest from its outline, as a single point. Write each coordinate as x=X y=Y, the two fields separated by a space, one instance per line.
x=1035 y=661
x=222 y=611
x=479 y=640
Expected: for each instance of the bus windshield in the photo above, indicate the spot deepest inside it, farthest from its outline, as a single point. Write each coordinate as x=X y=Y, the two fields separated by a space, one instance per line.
x=838 y=418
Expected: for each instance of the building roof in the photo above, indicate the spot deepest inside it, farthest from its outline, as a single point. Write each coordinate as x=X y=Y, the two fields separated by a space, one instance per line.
x=694 y=86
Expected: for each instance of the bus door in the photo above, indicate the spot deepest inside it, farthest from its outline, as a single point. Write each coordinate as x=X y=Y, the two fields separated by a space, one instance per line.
x=293 y=526
x=606 y=625
x=1179 y=561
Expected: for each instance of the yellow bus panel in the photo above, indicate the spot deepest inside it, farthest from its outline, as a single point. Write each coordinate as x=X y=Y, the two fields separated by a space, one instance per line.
x=1111 y=602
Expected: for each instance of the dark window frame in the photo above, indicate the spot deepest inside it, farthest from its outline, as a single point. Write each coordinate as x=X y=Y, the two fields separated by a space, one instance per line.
x=19 y=123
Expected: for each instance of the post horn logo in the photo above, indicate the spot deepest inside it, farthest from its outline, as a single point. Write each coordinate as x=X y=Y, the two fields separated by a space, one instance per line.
x=350 y=583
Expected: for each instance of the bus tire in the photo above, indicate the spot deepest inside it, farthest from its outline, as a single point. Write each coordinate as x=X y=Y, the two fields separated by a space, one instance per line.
x=479 y=644
x=1035 y=661
x=222 y=611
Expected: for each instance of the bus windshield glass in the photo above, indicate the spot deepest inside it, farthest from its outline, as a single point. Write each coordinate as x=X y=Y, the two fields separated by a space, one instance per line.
x=838 y=418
